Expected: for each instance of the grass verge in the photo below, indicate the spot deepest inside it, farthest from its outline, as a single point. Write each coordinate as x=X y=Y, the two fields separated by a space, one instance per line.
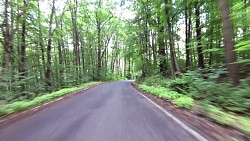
x=19 y=106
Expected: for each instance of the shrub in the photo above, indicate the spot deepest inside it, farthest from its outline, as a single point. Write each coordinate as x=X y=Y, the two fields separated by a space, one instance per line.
x=155 y=80
x=204 y=87
x=222 y=102
x=179 y=85
x=224 y=95
x=170 y=95
x=178 y=99
x=184 y=102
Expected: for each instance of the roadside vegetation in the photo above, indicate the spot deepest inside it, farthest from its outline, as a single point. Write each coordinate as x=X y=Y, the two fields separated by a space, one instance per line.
x=203 y=94
x=22 y=105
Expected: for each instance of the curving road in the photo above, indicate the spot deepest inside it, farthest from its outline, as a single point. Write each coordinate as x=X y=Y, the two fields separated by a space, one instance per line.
x=108 y=112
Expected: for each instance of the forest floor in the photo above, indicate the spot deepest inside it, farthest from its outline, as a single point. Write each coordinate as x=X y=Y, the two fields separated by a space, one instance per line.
x=206 y=124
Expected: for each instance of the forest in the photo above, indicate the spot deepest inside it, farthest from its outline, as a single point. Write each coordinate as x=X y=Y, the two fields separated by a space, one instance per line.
x=197 y=50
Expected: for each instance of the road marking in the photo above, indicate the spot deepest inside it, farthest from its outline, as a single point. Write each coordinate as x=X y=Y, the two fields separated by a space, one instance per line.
x=183 y=125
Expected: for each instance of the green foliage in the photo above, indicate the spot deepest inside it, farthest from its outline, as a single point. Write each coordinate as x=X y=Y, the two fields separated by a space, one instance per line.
x=129 y=76
x=8 y=109
x=179 y=85
x=178 y=99
x=205 y=87
x=11 y=87
x=224 y=95
x=170 y=95
x=154 y=80
x=221 y=102
x=184 y=102
x=226 y=118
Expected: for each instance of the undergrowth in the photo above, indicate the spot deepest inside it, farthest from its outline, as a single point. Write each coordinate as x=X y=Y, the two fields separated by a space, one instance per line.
x=11 y=108
x=220 y=101
x=179 y=100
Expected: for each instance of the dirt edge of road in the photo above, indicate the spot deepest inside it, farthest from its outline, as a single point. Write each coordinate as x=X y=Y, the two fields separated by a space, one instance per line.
x=212 y=129
x=5 y=121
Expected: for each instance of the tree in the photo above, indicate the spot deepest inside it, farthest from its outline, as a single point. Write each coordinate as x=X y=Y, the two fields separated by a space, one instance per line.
x=198 y=36
x=22 y=64
x=188 y=25
x=175 y=64
x=228 y=41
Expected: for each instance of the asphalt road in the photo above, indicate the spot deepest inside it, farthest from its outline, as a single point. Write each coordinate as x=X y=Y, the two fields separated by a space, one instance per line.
x=108 y=112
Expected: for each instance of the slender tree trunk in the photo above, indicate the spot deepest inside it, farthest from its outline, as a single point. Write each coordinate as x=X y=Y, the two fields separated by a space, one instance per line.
x=22 y=63
x=154 y=49
x=188 y=35
x=245 y=26
x=99 y=61
x=83 y=54
x=73 y=11
x=229 y=43
x=198 y=37
x=60 y=59
x=211 y=46
x=40 y=39
x=48 y=73
x=174 y=62
x=7 y=38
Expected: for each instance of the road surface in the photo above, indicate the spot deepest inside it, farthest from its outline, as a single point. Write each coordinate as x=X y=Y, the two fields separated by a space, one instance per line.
x=108 y=112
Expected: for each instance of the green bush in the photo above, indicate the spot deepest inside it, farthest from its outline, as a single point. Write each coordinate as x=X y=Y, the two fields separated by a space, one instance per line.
x=224 y=95
x=155 y=80
x=184 y=102
x=178 y=99
x=218 y=100
x=204 y=87
x=179 y=85
x=170 y=95
x=225 y=118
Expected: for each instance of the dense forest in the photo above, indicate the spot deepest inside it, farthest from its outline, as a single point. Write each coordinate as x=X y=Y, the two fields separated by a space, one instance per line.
x=49 y=45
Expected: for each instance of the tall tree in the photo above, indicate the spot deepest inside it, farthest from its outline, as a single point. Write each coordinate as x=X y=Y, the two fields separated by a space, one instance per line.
x=162 y=49
x=229 y=43
x=48 y=73
x=22 y=64
x=169 y=16
x=198 y=36
x=188 y=25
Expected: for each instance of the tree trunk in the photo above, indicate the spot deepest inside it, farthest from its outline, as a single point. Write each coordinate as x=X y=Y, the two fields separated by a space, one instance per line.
x=99 y=60
x=198 y=37
x=211 y=46
x=154 y=49
x=22 y=68
x=175 y=69
x=7 y=38
x=188 y=23
x=40 y=40
x=83 y=56
x=161 y=50
x=48 y=74
x=229 y=43
x=60 y=59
